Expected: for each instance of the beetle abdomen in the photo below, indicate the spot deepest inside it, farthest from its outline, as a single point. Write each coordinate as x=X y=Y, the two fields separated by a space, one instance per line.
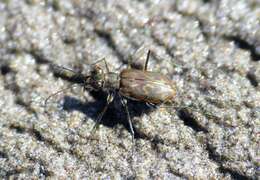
x=146 y=86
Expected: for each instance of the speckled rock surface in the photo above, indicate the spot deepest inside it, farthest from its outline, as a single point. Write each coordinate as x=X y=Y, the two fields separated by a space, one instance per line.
x=211 y=49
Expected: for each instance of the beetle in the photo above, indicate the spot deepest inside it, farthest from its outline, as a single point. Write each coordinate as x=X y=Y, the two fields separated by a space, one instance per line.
x=135 y=84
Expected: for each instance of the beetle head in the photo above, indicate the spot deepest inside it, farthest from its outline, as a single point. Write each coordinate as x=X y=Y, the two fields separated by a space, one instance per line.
x=96 y=78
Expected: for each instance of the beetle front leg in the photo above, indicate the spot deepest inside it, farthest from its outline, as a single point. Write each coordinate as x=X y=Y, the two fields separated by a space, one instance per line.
x=104 y=60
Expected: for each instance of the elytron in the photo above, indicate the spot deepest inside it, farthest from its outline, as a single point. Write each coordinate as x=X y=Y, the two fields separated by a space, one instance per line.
x=135 y=84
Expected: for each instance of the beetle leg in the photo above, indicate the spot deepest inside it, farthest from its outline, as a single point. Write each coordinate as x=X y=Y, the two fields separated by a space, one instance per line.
x=151 y=105
x=147 y=59
x=129 y=63
x=56 y=93
x=124 y=103
x=104 y=60
x=106 y=65
x=110 y=98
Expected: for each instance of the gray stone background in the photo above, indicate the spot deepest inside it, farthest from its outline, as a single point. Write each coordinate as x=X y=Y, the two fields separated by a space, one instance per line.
x=210 y=48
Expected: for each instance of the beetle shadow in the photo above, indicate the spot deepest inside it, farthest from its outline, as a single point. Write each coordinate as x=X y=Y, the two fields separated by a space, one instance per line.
x=115 y=113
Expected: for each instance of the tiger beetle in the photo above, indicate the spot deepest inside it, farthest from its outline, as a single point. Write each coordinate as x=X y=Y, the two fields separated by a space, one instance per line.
x=135 y=84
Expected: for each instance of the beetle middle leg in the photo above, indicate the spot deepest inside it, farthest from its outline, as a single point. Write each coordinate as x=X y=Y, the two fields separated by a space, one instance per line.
x=110 y=98
x=124 y=103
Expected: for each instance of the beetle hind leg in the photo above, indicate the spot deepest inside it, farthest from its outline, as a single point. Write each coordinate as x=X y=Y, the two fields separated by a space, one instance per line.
x=147 y=60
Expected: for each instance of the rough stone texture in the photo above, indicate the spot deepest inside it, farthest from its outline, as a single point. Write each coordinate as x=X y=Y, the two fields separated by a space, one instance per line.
x=210 y=48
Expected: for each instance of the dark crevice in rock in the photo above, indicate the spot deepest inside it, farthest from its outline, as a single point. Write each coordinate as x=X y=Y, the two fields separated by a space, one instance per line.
x=243 y=44
x=155 y=142
x=252 y=78
x=55 y=4
x=220 y=160
x=235 y=174
x=13 y=173
x=3 y=155
x=203 y=28
x=67 y=40
x=175 y=172
x=10 y=84
x=17 y=128
x=141 y=135
x=19 y=101
x=44 y=173
x=43 y=170
x=213 y=155
x=13 y=87
x=37 y=135
x=190 y=121
x=169 y=50
x=39 y=58
x=206 y=1
x=110 y=42
x=49 y=142
x=5 y=69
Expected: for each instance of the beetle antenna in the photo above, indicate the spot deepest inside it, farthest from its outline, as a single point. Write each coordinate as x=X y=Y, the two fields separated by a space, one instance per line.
x=57 y=68
x=56 y=93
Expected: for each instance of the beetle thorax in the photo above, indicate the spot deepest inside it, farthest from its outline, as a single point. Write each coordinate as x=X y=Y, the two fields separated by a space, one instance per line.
x=100 y=80
x=112 y=81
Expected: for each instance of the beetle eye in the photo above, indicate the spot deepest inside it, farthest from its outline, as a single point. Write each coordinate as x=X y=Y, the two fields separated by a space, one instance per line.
x=97 y=77
x=97 y=74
